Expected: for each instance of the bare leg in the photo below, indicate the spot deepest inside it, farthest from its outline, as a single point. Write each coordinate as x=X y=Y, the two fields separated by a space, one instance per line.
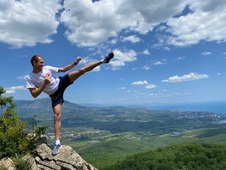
x=76 y=74
x=57 y=109
x=57 y=120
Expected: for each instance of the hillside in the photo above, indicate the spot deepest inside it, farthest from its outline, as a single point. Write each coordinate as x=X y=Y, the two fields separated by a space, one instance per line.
x=187 y=156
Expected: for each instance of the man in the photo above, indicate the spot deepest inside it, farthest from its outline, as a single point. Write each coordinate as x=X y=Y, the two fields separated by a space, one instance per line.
x=42 y=79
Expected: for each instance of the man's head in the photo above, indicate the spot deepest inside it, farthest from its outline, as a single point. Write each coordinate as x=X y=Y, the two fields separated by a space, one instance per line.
x=37 y=62
x=35 y=59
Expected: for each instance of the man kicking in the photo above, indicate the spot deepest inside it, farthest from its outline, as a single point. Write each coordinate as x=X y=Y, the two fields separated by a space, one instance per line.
x=42 y=79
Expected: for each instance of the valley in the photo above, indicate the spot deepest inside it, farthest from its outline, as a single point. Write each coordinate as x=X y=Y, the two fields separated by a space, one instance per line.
x=106 y=135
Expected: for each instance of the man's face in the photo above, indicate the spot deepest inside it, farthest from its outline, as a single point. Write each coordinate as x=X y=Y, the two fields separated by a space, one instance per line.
x=40 y=63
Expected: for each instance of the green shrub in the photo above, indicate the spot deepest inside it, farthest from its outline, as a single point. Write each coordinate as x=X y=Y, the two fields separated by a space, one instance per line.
x=14 y=139
x=21 y=164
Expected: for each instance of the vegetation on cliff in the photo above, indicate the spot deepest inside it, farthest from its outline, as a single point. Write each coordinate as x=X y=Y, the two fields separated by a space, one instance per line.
x=15 y=138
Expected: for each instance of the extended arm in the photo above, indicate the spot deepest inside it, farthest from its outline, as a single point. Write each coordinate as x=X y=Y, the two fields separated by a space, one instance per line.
x=70 y=66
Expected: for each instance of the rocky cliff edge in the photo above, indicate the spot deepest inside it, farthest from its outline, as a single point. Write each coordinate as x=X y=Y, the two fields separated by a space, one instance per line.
x=66 y=159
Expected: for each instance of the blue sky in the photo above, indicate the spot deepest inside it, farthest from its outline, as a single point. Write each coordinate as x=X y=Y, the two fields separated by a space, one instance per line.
x=165 y=51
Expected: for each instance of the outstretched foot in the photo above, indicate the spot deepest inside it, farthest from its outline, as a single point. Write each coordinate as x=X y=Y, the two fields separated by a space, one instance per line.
x=108 y=58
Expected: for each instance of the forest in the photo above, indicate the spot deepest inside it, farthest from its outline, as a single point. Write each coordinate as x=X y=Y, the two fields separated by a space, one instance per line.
x=186 y=156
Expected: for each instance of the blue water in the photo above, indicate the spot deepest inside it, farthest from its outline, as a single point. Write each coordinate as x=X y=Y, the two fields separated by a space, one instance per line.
x=215 y=107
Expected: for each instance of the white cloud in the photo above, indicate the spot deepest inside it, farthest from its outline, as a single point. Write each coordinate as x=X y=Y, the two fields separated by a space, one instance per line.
x=14 y=89
x=158 y=63
x=150 y=86
x=121 y=57
x=25 y=23
x=144 y=83
x=146 y=52
x=91 y=23
x=206 y=21
x=206 y=53
x=146 y=67
x=88 y=23
x=140 y=83
x=21 y=77
x=188 y=77
x=132 y=39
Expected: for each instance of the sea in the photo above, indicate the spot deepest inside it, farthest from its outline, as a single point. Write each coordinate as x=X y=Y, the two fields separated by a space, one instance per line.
x=210 y=106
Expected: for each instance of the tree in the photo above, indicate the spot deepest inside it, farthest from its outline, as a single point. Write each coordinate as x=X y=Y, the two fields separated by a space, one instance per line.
x=4 y=100
x=14 y=139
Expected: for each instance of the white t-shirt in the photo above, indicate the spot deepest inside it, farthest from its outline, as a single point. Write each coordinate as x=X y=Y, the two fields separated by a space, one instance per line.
x=34 y=80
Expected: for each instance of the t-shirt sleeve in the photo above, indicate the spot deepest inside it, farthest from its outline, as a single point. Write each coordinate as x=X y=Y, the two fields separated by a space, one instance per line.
x=29 y=83
x=53 y=70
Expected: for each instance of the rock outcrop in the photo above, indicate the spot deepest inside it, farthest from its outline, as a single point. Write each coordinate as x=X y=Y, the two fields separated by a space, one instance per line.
x=6 y=163
x=67 y=159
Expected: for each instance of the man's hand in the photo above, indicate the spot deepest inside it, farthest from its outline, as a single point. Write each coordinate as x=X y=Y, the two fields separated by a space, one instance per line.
x=35 y=92
x=78 y=59
x=47 y=79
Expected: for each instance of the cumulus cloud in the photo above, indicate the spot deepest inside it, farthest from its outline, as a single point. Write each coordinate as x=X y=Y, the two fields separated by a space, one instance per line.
x=121 y=57
x=205 y=21
x=11 y=90
x=146 y=52
x=144 y=83
x=150 y=86
x=188 y=77
x=26 y=23
x=140 y=82
x=132 y=39
x=89 y=23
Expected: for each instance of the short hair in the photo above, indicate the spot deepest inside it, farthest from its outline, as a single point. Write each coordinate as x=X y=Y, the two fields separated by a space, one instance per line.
x=34 y=58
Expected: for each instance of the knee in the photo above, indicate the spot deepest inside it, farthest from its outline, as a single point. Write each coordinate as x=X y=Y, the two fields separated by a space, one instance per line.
x=57 y=116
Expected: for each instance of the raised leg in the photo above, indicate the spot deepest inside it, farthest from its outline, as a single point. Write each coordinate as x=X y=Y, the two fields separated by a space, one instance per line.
x=77 y=73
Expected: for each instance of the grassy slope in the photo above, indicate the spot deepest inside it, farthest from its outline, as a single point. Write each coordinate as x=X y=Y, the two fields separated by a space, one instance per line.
x=117 y=147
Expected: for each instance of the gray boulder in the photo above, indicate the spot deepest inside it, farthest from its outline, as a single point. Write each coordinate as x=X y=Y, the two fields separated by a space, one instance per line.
x=66 y=159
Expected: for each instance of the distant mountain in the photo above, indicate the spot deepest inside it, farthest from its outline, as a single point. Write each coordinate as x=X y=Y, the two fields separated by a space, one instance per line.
x=118 y=119
x=41 y=107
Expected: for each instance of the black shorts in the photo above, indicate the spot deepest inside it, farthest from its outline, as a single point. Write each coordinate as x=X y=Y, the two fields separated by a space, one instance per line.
x=58 y=96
